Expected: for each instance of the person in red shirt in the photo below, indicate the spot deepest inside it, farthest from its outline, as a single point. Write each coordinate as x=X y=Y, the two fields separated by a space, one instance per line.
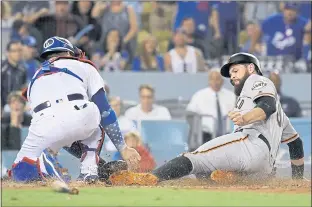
x=147 y=162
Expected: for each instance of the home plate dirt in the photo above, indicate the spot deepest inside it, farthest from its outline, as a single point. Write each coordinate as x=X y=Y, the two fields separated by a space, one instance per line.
x=267 y=186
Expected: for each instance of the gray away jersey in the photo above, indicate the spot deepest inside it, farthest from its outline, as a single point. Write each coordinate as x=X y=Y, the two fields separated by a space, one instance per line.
x=277 y=128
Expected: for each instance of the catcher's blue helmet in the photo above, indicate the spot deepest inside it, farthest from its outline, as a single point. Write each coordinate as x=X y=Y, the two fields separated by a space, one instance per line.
x=57 y=44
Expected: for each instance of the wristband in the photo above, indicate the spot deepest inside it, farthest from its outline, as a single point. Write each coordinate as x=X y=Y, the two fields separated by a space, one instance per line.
x=297 y=171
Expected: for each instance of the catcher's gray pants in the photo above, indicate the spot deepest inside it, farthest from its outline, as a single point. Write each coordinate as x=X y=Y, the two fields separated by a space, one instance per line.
x=240 y=151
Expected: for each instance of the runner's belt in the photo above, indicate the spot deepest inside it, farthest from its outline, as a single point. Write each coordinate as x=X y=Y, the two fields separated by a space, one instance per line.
x=262 y=138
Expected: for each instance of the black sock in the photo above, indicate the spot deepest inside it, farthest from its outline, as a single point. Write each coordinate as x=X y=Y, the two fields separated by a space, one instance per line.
x=176 y=168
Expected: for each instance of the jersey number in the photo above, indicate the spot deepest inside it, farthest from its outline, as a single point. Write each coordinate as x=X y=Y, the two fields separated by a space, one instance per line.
x=279 y=115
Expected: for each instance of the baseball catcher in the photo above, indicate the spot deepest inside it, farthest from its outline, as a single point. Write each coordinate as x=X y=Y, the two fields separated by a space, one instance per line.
x=69 y=104
x=260 y=127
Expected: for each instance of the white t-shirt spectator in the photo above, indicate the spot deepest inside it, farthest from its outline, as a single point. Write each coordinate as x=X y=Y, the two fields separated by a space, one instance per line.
x=188 y=64
x=204 y=102
x=158 y=113
x=126 y=125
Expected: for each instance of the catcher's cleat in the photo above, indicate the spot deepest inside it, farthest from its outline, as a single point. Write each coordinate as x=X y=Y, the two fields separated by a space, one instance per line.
x=88 y=178
x=223 y=177
x=131 y=178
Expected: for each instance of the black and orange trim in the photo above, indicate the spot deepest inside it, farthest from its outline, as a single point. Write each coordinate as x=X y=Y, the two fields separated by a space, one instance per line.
x=221 y=145
x=290 y=138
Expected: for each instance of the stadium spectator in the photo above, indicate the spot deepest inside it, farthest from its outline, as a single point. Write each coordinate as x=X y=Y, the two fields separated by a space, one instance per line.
x=13 y=121
x=62 y=23
x=160 y=19
x=29 y=52
x=6 y=15
x=107 y=90
x=147 y=162
x=225 y=15
x=137 y=7
x=283 y=33
x=304 y=8
x=188 y=26
x=259 y=11
x=200 y=11
x=290 y=106
x=21 y=30
x=215 y=101
x=251 y=28
x=148 y=59
x=31 y=10
x=126 y=125
x=147 y=110
x=86 y=41
x=13 y=74
x=183 y=57
x=117 y=15
x=306 y=53
x=111 y=56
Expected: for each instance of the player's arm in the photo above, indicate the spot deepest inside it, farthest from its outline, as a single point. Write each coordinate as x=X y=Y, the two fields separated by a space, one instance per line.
x=109 y=121
x=265 y=107
x=295 y=146
x=297 y=158
x=133 y=25
x=214 y=22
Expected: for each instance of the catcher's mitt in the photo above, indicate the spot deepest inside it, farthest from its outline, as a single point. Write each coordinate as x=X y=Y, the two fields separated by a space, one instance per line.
x=105 y=170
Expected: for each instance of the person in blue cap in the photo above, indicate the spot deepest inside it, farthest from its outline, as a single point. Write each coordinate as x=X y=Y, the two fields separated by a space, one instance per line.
x=283 y=32
x=30 y=53
x=69 y=104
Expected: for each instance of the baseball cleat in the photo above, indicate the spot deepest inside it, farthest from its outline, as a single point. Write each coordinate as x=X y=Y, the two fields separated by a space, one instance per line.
x=223 y=177
x=88 y=178
x=131 y=178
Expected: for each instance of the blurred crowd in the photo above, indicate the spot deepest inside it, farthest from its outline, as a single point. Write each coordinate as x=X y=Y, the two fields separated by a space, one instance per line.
x=176 y=36
x=171 y=36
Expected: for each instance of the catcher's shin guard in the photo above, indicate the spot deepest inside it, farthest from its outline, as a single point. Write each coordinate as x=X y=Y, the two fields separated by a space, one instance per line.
x=51 y=168
x=46 y=166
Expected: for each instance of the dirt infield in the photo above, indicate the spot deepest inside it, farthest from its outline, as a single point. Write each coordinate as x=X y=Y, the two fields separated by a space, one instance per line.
x=261 y=186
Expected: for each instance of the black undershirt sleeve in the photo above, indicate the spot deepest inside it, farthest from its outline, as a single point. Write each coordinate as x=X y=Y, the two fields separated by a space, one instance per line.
x=267 y=104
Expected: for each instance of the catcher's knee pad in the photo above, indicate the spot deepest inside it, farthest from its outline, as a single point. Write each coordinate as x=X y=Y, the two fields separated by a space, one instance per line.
x=26 y=170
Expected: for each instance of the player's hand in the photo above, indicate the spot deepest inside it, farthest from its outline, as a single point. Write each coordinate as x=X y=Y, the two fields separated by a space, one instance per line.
x=237 y=118
x=131 y=156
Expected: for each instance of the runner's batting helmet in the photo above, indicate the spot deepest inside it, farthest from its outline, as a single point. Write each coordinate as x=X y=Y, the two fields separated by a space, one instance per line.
x=58 y=44
x=240 y=58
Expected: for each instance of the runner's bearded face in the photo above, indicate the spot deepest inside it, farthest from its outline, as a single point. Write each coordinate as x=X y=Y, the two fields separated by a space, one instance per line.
x=239 y=74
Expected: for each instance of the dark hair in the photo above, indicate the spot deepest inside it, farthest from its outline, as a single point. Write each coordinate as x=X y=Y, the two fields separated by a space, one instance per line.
x=119 y=48
x=186 y=18
x=18 y=24
x=8 y=47
x=75 y=9
x=52 y=54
